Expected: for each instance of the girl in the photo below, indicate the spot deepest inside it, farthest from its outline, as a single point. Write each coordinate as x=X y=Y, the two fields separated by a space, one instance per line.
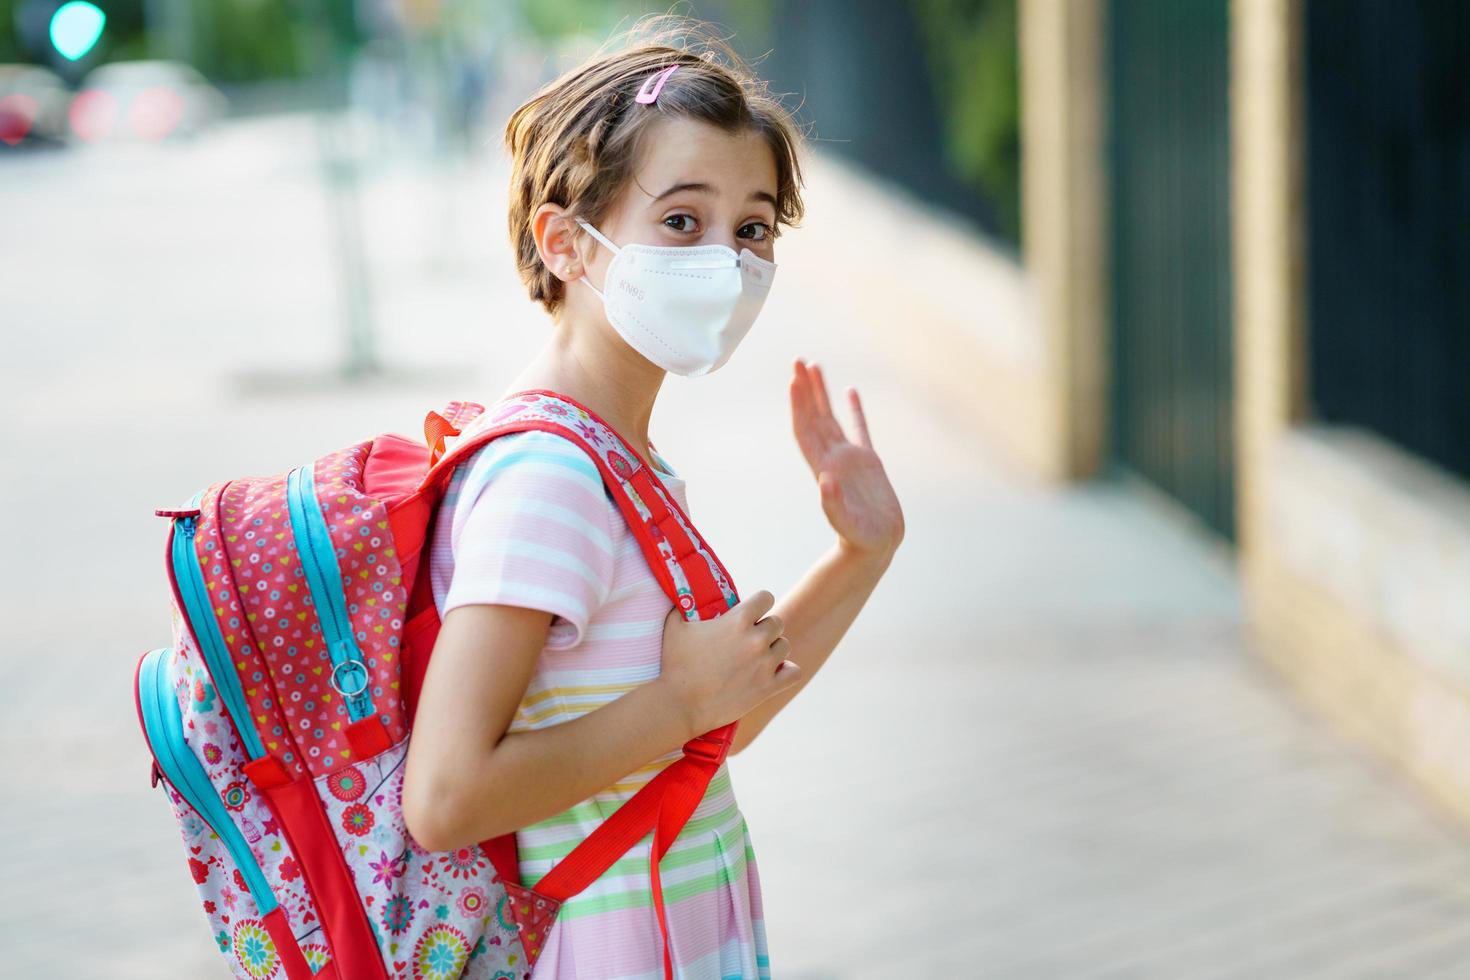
x=563 y=679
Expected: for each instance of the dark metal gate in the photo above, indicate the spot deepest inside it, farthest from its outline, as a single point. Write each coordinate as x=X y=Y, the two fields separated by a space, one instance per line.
x=1388 y=153
x=1169 y=249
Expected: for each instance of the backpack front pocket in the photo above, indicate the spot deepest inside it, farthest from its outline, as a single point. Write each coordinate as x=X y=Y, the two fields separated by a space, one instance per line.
x=318 y=557
x=250 y=925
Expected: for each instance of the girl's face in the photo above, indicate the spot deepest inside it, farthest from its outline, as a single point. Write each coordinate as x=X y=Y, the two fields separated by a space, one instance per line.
x=696 y=185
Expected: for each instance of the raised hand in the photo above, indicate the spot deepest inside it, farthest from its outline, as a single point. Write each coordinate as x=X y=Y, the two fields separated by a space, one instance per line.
x=856 y=496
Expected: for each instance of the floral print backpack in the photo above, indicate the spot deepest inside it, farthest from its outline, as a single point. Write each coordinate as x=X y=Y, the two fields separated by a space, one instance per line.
x=279 y=718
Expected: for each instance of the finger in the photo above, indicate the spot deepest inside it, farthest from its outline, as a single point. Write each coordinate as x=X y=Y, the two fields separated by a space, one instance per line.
x=773 y=627
x=753 y=607
x=801 y=396
x=787 y=675
x=781 y=647
x=860 y=420
x=838 y=432
x=815 y=433
x=819 y=389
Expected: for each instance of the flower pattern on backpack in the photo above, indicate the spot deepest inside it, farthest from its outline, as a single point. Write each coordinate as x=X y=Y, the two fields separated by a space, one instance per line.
x=430 y=910
x=255 y=950
x=233 y=913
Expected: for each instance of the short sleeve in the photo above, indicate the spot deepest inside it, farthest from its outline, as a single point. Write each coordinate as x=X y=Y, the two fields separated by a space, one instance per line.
x=531 y=527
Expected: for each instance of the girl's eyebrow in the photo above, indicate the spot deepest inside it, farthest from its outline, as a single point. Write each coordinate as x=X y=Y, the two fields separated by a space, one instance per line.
x=702 y=188
x=697 y=188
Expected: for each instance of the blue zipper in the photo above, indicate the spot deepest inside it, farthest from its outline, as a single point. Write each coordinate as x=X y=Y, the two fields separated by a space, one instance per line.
x=163 y=726
x=324 y=580
x=190 y=579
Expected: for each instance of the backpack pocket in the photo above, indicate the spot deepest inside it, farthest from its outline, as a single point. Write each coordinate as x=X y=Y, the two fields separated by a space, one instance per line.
x=438 y=915
x=249 y=924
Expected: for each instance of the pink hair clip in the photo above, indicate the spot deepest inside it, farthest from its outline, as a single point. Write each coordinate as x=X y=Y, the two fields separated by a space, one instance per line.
x=654 y=84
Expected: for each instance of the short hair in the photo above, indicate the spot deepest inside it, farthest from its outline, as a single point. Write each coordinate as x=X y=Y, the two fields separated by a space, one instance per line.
x=576 y=142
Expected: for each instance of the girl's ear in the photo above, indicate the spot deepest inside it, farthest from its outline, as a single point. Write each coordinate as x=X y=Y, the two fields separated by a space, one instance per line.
x=555 y=232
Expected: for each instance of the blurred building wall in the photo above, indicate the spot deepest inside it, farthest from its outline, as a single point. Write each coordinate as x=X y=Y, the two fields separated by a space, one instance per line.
x=1062 y=211
x=1356 y=554
x=1017 y=351
x=1353 y=550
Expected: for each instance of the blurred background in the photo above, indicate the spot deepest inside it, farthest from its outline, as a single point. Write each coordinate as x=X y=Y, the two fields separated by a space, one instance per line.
x=1161 y=313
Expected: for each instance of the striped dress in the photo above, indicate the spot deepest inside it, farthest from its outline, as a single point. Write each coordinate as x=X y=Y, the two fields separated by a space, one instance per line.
x=527 y=522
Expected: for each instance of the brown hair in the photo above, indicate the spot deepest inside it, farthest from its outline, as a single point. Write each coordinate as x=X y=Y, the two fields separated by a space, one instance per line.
x=575 y=142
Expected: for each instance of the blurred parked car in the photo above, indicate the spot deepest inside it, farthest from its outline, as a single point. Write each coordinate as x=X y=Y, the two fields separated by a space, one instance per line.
x=143 y=100
x=33 y=104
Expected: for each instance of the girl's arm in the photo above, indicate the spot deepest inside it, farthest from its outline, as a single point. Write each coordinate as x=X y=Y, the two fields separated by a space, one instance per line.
x=467 y=780
x=864 y=511
x=816 y=613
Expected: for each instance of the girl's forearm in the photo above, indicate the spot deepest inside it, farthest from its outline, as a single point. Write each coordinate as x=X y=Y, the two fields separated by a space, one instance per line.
x=534 y=775
x=816 y=614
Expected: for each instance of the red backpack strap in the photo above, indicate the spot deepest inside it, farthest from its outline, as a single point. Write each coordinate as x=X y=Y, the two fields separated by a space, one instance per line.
x=683 y=563
x=693 y=578
x=412 y=518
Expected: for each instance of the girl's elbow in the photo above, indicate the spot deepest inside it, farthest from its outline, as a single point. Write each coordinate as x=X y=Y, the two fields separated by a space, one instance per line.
x=432 y=819
x=440 y=817
x=426 y=827
x=430 y=834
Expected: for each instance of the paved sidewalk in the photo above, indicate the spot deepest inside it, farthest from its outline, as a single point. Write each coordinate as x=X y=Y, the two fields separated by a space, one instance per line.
x=1042 y=752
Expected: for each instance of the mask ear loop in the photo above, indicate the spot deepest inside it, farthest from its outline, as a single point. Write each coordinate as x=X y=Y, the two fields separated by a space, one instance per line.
x=604 y=240
x=599 y=236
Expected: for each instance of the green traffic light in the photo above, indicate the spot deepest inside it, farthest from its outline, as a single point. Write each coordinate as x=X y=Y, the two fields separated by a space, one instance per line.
x=76 y=28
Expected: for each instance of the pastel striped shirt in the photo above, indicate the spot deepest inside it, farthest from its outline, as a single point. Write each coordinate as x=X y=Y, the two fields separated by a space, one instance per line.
x=526 y=521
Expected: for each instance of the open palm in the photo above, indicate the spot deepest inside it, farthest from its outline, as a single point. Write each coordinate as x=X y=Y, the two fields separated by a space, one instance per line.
x=858 y=499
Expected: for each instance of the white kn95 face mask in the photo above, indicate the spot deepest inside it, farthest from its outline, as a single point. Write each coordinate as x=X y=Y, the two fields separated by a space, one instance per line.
x=684 y=307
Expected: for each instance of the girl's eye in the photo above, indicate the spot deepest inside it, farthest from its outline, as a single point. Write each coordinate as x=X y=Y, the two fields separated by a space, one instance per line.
x=756 y=231
x=680 y=222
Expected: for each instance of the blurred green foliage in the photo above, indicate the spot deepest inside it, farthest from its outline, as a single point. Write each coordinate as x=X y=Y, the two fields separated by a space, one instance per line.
x=9 y=50
x=228 y=40
x=249 y=40
x=971 y=58
x=244 y=41
x=550 y=19
x=971 y=46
